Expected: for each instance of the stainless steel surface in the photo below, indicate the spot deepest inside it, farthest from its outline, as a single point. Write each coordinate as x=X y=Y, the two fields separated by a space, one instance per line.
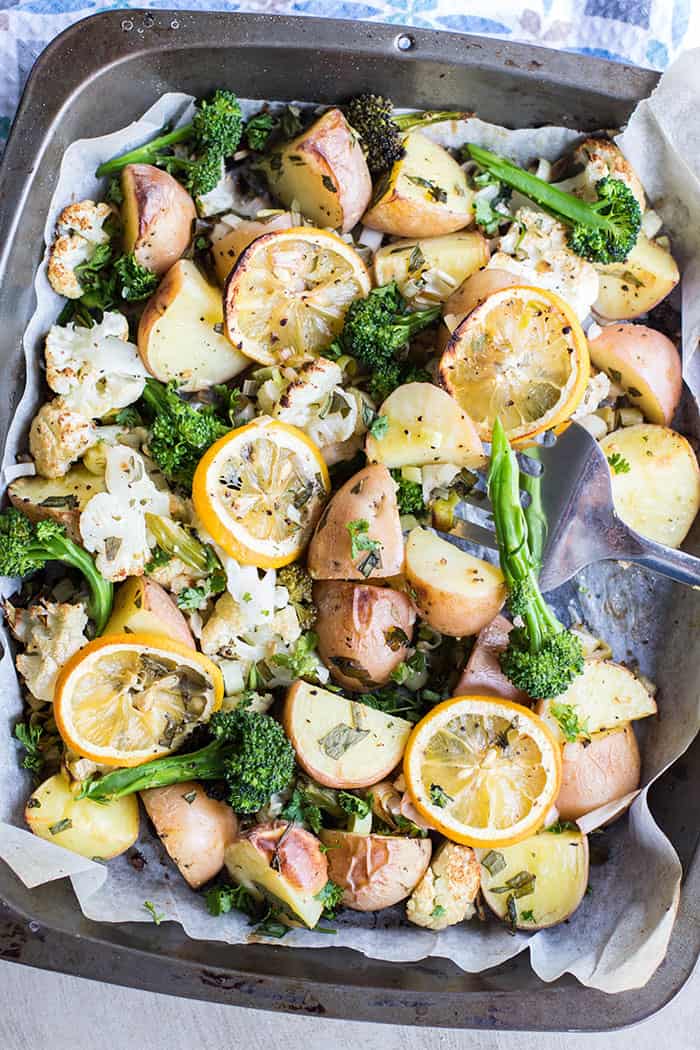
x=97 y=77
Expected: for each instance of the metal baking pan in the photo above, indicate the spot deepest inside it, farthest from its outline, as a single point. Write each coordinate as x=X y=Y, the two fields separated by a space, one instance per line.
x=95 y=78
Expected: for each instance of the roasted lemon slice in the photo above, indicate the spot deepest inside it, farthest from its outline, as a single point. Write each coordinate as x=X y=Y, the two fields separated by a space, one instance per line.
x=522 y=356
x=287 y=295
x=127 y=698
x=483 y=771
x=259 y=492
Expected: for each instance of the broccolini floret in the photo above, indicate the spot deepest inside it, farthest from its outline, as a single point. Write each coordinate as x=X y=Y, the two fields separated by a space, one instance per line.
x=135 y=281
x=409 y=495
x=381 y=129
x=542 y=657
x=603 y=231
x=300 y=587
x=26 y=547
x=249 y=752
x=180 y=433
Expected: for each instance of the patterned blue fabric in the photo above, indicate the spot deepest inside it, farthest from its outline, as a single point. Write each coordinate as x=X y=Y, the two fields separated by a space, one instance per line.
x=643 y=32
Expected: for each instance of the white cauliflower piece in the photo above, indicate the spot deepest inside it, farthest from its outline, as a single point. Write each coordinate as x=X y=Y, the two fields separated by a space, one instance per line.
x=539 y=256
x=80 y=230
x=446 y=893
x=175 y=575
x=59 y=435
x=113 y=523
x=600 y=158
x=51 y=633
x=597 y=389
x=95 y=369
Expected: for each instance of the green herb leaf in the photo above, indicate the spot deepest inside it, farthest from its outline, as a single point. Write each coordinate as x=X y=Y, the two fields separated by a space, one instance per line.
x=29 y=737
x=618 y=463
x=340 y=739
x=439 y=797
x=494 y=862
x=520 y=885
x=222 y=899
x=153 y=912
x=572 y=727
x=560 y=826
x=330 y=897
x=360 y=539
x=61 y=825
x=438 y=911
x=379 y=427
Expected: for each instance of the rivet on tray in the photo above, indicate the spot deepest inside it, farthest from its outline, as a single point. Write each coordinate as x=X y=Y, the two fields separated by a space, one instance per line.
x=174 y=24
x=127 y=25
x=404 y=42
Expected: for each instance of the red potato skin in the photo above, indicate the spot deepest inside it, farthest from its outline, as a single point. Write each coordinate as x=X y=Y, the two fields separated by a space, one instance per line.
x=194 y=833
x=652 y=355
x=165 y=213
x=370 y=879
x=297 y=854
x=593 y=775
x=482 y=675
x=329 y=144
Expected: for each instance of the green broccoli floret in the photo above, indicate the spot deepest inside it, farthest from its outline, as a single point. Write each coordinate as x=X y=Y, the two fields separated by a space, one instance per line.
x=180 y=433
x=200 y=175
x=603 y=231
x=216 y=129
x=258 y=130
x=135 y=281
x=409 y=495
x=300 y=587
x=249 y=752
x=381 y=129
x=542 y=657
x=26 y=547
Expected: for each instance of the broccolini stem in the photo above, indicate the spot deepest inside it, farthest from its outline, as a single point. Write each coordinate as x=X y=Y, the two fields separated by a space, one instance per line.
x=205 y=764
x=155 y=397
x=418 y=320
x=147 y=153
x=535 y=517
x=60 y=548
x=178 y=542
x=406 y=121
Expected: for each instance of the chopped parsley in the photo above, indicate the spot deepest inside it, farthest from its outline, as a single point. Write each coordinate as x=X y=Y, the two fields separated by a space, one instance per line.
x=360 y=539
x=571 y=725
x=618 y=463
x=156 y=915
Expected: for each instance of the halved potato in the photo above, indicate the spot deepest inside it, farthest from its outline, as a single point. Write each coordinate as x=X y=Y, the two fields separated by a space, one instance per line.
x=645 y=363
x=456 y=593
x=424 y=195
x=56 y=499
x=659 y=493
x=366 y=507
x=141 y=606
x=324 y=170
x=424 y=425
x=598 y=771
x=605 y=696
x=98 y=830
x=430 y=269
x=558 y=864
x=157 y=216
x=283 y=864
x=194 y=828
x=635 y=286
x=339 y=742
x=181 y=332
x=375 y=871
x=227 y=250
x=364 y=632
x=482 y=675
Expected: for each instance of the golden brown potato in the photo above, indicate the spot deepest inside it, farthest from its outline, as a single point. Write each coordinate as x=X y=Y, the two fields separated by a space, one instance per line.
x=424 y=426
x=456 y=593
x=605 y=696
x=227 y=250
x=645 y=363
x=559 y=866
x=364 y=631
x=635 y=286
x=368 y=496
x=56 y=499
x=299 y=873
x=324 y=170
x=598 y=772
x=157 y=216
x=375 y=871
x=424 y=195
x=482 y=675
x=194 y=828
x=342 y=743
x=180 y=333
x=141 y=606
x=443 y=263
x=98 y=830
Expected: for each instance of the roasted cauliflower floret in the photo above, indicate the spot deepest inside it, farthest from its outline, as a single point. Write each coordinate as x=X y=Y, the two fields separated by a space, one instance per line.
x=175 y=575
x=95 y=369
x=446 y=893
x=58 y=436
x=535 y=250
x=51 y=633
x=597 y=389
x=80 y=230
x=599 y=159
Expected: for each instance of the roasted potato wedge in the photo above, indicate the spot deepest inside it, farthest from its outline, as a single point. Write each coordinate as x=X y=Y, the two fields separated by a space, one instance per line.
x=367 y=498
x=141 y=606
x=324 y=170
x=482 y=675
x=300 y=868
x=56 y=499
x=339 y=742
x=98 y=830
x=605 y=696
x=375 y=871
x=598 y=771
x=194 y=828
x=659 y=492
x=456 y=593
x=558 y=864
x=645 y=363
x=424 y=195
x=635 y=286
x=428 y=270
x=364 y=632
x=180 y=333
x=157 y=216
x=424 y=425
x=227 y=250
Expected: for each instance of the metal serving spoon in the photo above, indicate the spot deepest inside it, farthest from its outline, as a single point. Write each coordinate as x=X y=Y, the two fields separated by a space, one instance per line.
x=583 y=527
